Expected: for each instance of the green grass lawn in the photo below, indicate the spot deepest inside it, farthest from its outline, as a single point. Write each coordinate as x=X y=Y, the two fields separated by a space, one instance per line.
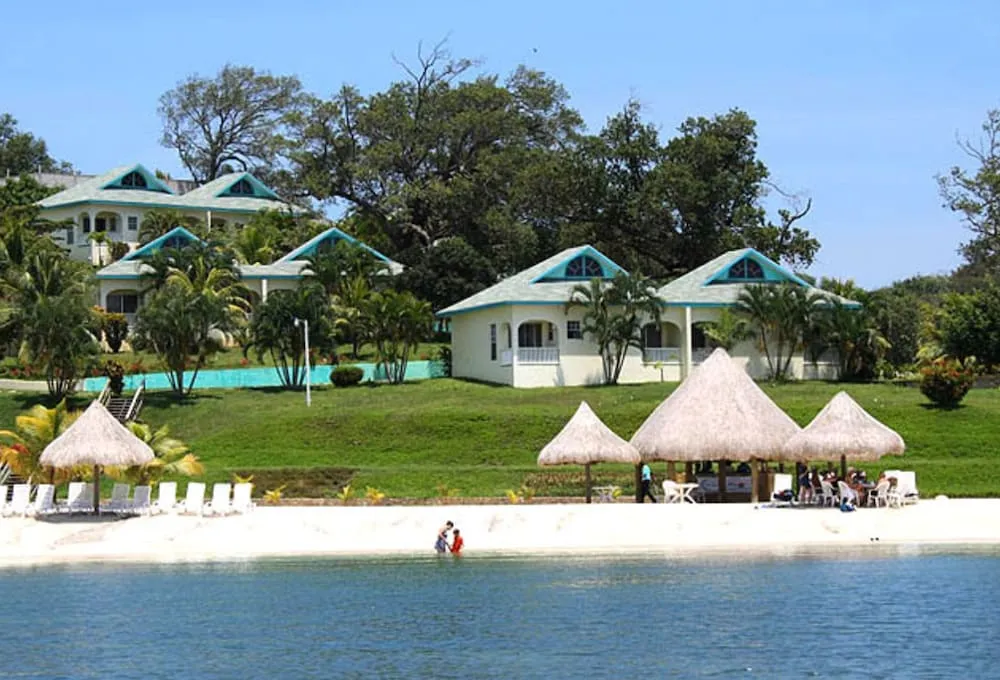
x=417 y=440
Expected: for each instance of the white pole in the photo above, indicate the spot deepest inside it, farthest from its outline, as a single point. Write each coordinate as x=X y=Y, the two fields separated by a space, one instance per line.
x=305 y=322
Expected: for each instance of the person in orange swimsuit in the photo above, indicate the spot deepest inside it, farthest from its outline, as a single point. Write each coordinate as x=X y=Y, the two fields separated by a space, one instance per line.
x=456 y=542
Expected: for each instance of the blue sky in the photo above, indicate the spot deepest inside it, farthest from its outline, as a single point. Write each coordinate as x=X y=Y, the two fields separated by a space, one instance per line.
x=858 y=103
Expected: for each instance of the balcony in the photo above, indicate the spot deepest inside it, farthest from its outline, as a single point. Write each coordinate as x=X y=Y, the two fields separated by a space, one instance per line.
x=538 y=355
x=661 y=355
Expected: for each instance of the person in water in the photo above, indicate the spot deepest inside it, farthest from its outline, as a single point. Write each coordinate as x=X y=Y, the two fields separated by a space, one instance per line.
x=456 y=542
x=647 y=481
x=441 y=545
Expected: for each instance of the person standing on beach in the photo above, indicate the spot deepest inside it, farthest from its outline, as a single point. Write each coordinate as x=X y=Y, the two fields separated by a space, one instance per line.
x=456 y=542
x=647 y=481
x=441 y=545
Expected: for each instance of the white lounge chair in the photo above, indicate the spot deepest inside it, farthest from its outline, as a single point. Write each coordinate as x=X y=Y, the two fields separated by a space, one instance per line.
x=194 y=501
x=242 y=501
x=44 y=500
x=80 y=497
x=782 y=482
x=877 y=496
x=671 y=492
x=166 y=501
x=3 y=498
x=220 y=503
x=906 y=485
x=20 y=500
x=119 y=499
x=140 y=500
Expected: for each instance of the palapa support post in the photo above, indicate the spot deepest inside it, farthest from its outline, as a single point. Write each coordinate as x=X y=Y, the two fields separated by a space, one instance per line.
x=671 y=471
x=754 y=480
x=97 y=489
x=638 y=483
x=722 y=481
x=586 y=476
x=688 y=472
x=843 y=467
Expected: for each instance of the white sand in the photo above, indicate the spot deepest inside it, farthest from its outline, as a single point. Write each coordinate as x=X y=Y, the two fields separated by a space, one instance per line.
x=504 y=529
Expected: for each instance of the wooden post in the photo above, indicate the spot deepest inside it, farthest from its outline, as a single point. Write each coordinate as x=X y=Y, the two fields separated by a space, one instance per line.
x=586 y=474
x=671 y=471
x=688 y=472
x=97 y=489
x=638 y=483
x=722 y=481
x=754 y=480
x=843 y=467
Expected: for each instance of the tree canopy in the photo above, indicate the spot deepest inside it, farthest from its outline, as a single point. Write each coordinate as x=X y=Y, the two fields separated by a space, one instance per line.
x=21 y=152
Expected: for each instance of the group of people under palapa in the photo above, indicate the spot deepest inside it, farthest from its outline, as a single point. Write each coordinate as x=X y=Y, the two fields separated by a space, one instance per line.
x=811 y=483
x=441 y=545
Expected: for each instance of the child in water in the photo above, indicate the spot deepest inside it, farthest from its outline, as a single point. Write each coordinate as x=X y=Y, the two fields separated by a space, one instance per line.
x=456 y=542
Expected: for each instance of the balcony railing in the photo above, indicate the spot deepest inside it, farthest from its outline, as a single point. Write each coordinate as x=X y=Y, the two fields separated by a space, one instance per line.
x=538 y=355
x=661 y=355
x=506 y=357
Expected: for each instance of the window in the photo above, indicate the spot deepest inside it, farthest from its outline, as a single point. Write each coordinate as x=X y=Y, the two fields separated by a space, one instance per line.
x=529 y=335
x=746 y=269
x=493 y=342
x=86 y=224
x=651 y=336
x=123 y=303
x=242 y=188
x=70 y=235
x=112 y=223
x=551 y=332
x=133 y=223
x=573 y=330
x=134 y=180
x=584 y=267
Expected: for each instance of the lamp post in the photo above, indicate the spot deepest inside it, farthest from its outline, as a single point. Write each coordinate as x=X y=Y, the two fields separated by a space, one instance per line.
x=305 y=329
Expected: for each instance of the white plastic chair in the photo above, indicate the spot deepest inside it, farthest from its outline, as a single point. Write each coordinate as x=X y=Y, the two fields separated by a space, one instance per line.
x=828 y=497
x=220 y=503
x=877 y=496
x=242 y=502
x=119 y=498
x=166 y=501
x=671 y=492
x=20 y=501
x=847 y=493
x=44 y=500
x=194 y=501
x=140 y=500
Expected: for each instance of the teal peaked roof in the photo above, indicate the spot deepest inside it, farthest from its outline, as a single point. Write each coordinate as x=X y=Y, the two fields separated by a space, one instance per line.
x=333 y=235
x=159 y=242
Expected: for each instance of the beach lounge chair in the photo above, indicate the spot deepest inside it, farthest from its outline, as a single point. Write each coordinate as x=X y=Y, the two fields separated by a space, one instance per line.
x=242 y=502
x=166 y=501
x=877 y=496
x=671 y=492
x=80 y=497
x=44 y=500
x=194 y=501
x=782 y=482
x=906 y=485
x=220 y=503
x=3 y=498
x=20 y=500
x=140 y=500
x=827 y=496
x=119 y=499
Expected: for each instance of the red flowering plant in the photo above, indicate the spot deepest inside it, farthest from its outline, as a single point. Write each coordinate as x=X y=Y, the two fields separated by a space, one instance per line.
x=946 y=380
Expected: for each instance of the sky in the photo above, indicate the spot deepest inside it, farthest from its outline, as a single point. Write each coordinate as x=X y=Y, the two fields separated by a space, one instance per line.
x=858 y=103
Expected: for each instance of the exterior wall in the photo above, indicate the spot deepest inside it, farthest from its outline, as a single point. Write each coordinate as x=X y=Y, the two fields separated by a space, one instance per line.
x=470 y=342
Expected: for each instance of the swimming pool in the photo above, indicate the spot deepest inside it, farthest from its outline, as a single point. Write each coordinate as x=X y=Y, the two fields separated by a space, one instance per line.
x=237 y=378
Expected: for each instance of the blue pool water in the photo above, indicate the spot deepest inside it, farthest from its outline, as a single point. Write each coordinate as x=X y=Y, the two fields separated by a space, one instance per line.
x=872 y=615
x=260 y=377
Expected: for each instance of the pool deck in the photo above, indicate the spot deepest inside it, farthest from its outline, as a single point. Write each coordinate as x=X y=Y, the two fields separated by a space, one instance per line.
x=494 y=529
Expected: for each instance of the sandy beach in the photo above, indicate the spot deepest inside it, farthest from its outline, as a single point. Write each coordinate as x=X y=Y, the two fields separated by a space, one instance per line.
x=496 y=529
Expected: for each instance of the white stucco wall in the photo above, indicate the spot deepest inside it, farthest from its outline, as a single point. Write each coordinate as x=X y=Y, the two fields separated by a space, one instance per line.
x=470 y=342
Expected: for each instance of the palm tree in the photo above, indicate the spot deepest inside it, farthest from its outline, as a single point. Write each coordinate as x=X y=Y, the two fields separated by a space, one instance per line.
x=729 y=330
x=780 y=314
x=857 y=338
x=347 y=307
x=23 y=446
x=173 y=457
x=395 y=323
x=255 y=244
x=614 y=315
x=158 y=222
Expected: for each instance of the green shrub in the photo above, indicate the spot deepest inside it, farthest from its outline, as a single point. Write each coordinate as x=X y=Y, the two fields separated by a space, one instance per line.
x=345 y=376
x=946 y=381
x=116 y=376
x=115 y=328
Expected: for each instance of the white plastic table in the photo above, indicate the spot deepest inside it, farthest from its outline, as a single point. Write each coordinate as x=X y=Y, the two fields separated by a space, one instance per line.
x=686 y=491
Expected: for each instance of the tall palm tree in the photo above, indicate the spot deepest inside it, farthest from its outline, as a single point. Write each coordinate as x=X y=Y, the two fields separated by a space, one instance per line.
x=614 y=314
x=395 y=323
x=255 y=244
x=780 y=313
x=22 y=447
x=729 y=330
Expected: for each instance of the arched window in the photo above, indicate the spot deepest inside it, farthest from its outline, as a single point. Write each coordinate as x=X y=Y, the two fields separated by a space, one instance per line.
x=134 y=180
x=242 y=188
x=747 y=269
x=584 y=267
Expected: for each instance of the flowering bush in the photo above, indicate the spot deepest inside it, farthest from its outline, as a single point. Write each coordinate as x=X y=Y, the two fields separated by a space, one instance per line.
x=946 y=381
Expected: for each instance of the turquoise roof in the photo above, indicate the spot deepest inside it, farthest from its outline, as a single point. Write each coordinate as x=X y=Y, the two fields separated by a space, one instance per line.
x=105 y=190
x=157 y=243
x=333 y=234
x=535 y=285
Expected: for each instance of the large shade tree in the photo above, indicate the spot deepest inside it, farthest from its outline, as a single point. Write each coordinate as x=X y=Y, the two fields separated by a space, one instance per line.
x=22 y=152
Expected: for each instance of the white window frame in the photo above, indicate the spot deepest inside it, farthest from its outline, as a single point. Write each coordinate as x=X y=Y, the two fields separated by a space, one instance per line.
x=572 y=334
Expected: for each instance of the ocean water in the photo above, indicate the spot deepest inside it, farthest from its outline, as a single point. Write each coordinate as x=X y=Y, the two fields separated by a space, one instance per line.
x=871 y=614
x=236 y=378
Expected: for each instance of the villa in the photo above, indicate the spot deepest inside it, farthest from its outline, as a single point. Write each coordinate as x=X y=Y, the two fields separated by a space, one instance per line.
x=120 y=285
x=116 y=202
x=521 y=332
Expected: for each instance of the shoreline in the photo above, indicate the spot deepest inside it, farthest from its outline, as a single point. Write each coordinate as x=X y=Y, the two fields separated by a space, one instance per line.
x=499 y=530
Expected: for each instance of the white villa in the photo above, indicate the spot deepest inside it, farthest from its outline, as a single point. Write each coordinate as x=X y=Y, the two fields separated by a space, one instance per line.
x=120 y=285
x=520 y=331
x=116 y=202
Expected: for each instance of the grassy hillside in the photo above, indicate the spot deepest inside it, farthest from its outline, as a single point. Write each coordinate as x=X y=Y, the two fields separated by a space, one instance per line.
x=417 y=440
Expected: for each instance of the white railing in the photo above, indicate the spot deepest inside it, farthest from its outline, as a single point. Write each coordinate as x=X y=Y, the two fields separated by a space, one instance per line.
x=538 y=355
x=507 y=357
x=661 y=355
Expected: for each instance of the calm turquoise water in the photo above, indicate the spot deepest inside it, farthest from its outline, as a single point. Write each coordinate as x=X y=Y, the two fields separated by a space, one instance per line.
x=259 y=377
x=879 y=615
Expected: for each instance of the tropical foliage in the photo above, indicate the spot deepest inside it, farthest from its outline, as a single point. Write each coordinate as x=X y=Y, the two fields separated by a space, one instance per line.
x=22 y=447
x=172 y=457
x=395 y=323
x=946 y=380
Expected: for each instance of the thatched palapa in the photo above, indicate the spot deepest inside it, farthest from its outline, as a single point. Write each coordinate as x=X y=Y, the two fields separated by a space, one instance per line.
x=717 y=413
x=97 y=439
x=844 y=430
x=585 y=440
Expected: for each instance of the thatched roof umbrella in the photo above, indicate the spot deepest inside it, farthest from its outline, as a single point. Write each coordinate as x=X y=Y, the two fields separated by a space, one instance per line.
x=97 y=439
x=585 y=440
x=717 y=413
x=846 y=431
